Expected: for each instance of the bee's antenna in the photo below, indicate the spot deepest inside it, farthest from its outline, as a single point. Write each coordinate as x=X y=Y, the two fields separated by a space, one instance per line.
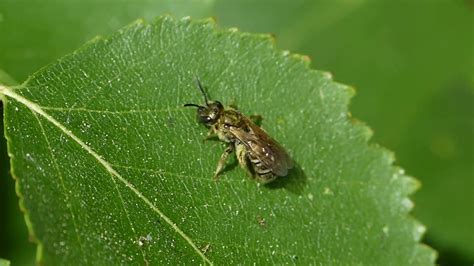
x=192 y=104
x=201 y=88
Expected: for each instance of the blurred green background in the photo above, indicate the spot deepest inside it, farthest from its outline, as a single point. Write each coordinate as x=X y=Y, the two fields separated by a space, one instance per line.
x=411 y=63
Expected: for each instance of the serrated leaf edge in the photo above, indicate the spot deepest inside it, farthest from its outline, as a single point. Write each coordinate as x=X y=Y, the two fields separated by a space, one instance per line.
x=418 y=228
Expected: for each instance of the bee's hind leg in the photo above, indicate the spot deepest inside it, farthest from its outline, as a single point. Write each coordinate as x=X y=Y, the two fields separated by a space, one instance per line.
x=222 y=160
x=242 y=157
x=257 y=119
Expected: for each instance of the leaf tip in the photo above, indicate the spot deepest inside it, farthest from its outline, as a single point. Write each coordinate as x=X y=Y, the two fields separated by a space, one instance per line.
x=95 y=39
x=138 y=22
x=306 y=60
x=411 y=184
x=233 y=29
x=418 y=230
x=366 y=131
x=209 y=21
x=271 y=37
x=351 y=90
x=432 y=253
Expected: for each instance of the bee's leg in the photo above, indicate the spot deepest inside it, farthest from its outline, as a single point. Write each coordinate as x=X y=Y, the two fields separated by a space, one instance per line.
x=241 y=153
x=210 y=134
x=233 y=104
x=257 y=119
x=222 y=160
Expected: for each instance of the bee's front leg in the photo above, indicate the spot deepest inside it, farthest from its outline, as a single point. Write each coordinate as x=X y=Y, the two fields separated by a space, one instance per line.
x=222 y=160
x=210 y=135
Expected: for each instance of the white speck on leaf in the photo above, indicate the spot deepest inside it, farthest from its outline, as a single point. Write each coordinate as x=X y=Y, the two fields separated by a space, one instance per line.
x=385 y=230
x=328 y=191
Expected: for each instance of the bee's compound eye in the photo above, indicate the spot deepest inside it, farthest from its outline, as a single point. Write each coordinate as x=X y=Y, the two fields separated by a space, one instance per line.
x=204 y=119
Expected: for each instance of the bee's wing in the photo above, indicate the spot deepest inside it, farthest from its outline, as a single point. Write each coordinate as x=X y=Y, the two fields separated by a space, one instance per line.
x=264 y=148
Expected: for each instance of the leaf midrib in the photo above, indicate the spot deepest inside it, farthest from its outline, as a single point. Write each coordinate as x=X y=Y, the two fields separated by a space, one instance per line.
x=36 y=109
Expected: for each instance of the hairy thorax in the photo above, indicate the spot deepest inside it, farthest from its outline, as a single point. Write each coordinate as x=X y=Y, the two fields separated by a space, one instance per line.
x=229 y=118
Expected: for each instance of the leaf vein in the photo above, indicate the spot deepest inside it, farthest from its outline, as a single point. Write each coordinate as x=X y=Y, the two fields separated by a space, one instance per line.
x=122 y=202
x=37 y=109
x=118 y=112
x=63 y=186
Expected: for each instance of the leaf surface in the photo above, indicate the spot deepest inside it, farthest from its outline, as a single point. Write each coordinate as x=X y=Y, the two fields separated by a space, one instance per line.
x=415 y=87
x=113 y=169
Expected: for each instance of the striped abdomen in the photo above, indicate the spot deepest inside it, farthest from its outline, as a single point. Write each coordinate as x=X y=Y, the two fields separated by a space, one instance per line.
x=253 y=165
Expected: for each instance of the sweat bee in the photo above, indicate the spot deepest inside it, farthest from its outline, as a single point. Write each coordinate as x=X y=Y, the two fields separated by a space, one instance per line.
x=260 y=155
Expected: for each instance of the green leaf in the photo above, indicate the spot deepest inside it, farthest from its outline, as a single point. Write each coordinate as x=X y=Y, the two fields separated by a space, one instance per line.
x=114 y=170
x=413 y=74
x=40 y=32
x=14 y=244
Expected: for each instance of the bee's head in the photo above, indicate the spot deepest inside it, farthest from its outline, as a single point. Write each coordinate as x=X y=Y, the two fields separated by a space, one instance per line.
x=210 y=113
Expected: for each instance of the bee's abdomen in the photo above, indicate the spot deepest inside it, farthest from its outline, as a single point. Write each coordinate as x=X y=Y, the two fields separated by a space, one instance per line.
x=253 y=165
x=262 y=173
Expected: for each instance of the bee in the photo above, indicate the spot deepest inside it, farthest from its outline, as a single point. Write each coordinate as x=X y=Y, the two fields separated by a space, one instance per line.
x=257 y=153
